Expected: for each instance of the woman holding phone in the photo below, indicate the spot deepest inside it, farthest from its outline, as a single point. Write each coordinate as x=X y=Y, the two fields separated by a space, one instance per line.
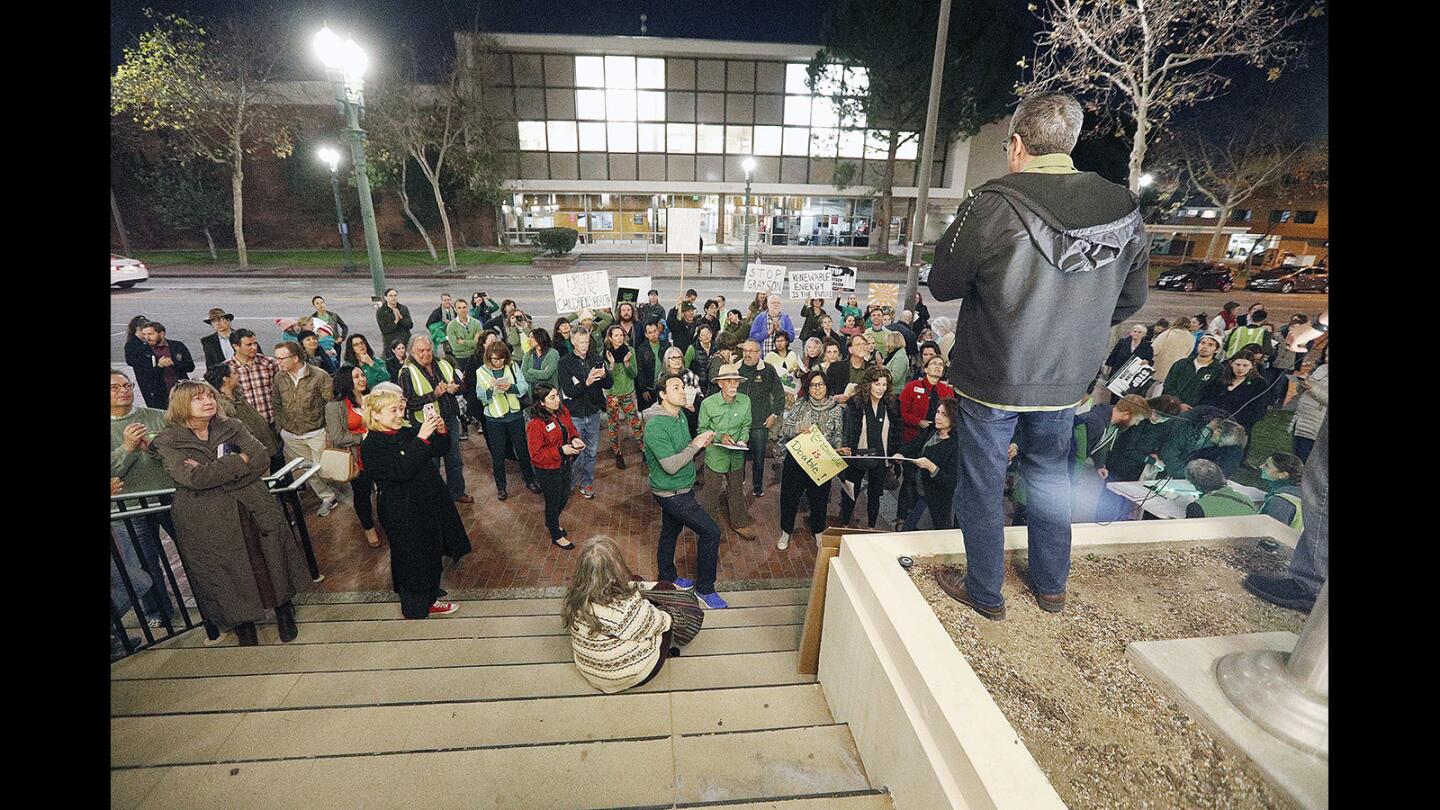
x=554 y=443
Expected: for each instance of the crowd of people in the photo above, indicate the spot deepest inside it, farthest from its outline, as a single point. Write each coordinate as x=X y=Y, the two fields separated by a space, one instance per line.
x=999 y=412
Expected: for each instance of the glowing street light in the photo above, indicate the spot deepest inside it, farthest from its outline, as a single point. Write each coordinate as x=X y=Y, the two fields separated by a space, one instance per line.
x=331 y=158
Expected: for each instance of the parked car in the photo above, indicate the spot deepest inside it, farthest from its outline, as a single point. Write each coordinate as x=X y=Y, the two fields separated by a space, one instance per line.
x=1291 y=279
x=1196 y=276
x=126 y=272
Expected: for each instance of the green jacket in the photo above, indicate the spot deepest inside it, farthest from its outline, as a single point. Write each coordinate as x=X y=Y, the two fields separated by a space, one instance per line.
x=622 y=375
x=548 y=370
x=141 y=470
x=464 y=337
x=1185 y=382
x=1222 y=502
x=767 y=396
x=740 y=331
x=375 y=373
x=668 y=437
x=726 y=419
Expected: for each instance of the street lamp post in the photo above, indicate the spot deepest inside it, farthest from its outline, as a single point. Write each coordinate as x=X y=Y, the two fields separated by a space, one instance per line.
x=749 y=165
x=331 y=158
x=345 y=64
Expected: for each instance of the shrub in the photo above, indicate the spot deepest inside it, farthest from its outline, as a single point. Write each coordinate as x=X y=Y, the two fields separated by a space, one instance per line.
x=556 y=241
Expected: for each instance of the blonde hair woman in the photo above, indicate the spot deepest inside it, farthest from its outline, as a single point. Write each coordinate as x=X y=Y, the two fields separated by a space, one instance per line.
x=619 y=639
x=413 y=505
x=238 y=551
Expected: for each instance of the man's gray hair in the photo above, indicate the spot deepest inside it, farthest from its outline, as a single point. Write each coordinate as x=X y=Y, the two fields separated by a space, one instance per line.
x=1205 y=474
x=1048 y=123
x=576 y=331
x=416 y=340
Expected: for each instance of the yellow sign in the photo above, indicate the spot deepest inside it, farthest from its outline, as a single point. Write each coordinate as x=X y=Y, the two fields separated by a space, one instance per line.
x=886 y=295
x=815 y=455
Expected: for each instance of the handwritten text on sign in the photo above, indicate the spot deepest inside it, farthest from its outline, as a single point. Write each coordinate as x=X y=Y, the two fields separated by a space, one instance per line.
x=815 y=455
x=842 y=278
x=577 y=291
x=764 y=277
x=810 y=284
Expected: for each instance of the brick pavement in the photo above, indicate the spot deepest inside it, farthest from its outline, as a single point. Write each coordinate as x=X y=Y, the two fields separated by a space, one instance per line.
x=511 y=548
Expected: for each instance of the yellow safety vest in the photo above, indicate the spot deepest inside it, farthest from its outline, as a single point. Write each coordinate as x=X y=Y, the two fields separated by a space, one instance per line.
x=422 y=386
x=499 y=404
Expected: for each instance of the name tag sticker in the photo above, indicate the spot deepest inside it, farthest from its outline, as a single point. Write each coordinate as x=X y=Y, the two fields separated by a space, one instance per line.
x=919 y=390
x=549 y=427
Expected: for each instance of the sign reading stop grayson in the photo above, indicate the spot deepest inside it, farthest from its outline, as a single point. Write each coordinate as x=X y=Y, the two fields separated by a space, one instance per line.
x=764 y=277
x=810 y=284
x=842 y=278
x=577 y=291
x=815 y=455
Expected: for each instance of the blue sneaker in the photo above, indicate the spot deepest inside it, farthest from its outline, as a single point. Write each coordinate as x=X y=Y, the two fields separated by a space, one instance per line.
x=712 y=601
x=684 y=584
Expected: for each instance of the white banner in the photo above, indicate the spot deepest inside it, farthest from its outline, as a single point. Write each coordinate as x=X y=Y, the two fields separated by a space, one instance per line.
x=577 y=291
x=764 y=277
x=640 y=284
x=810 y=284
x=842 y=278
x=682 y=230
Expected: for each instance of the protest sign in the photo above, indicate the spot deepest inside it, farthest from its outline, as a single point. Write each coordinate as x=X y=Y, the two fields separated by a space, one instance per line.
x=631 y=288
x=764 y=277
x=577 y=291
x=810 y=284
x=815 y=455
x=1134 y=374
x=886 y=295
x=682 y=230
x=842 y=278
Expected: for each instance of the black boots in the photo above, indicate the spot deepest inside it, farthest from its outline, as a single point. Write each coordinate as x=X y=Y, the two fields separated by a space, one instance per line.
x=285 y=617
x=246 y=634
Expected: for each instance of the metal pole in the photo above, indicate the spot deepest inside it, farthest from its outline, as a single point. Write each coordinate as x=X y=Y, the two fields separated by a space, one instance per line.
x=1288 y=695
x=927 y=158
x=356 y=136
x=745 y=260
x=340 y=218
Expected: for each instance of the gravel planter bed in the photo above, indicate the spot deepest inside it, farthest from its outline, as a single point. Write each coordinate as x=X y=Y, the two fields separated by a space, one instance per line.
x=1103 y=735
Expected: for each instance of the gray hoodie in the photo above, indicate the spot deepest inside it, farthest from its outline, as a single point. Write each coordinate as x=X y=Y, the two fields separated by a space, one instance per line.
x=1046 y=264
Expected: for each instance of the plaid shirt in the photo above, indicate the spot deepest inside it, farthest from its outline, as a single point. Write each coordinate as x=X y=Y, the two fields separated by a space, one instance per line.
x=257 y=381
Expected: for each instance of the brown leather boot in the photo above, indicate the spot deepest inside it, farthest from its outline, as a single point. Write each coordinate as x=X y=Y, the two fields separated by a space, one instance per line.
x=285 y=617
x=953 y=583
x=246 y=634
x=1050 y=603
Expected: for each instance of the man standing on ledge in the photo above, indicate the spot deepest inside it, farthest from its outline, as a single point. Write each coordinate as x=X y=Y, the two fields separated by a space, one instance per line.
x=1047 y=259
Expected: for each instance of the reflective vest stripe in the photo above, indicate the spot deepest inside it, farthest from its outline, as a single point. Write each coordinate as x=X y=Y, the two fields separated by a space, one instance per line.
x=500 y=404
x=422 y=386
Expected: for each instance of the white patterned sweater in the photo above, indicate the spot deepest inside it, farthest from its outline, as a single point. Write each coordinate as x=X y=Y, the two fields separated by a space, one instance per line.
x=627 y=646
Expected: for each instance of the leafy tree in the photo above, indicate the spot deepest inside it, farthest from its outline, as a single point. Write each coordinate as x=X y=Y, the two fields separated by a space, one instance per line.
x=187 y=195
x=208 y=86
x=894 y=42
x=1138 y=62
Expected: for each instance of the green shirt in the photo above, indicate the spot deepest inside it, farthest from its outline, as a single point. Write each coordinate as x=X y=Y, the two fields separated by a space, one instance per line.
x=726 y=419
x=665 y=436
x=464 y=336
x=141 y=470
x=1186 y=382
x=622 y=375
x=1054 y=163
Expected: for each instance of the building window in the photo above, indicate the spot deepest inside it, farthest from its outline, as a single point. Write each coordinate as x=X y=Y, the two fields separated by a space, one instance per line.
x=823 y=142
x=651 y=106
x=652 y=137
x=589 y=71
x=622 y=136
x=824 y=113
x=1305 y=217
x=681 y=138
x=1208 y=213
x=592 y=136
x=532 y=136
x=909 y=146
x=590 y=105
x=1278 y=217
x=650 y=74
x=795 y=78
x=1240 y=215
x=738 y=140
x=619 y=105
x=561 y=135
x=767 y=140
x=797 y=111
x=620 y=72
x=797 y=141
x=877 y=146
x=852 y=143
x=709 y=138
x=857 y=81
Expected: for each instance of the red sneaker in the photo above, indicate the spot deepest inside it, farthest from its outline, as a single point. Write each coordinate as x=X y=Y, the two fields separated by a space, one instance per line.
x=443 y=608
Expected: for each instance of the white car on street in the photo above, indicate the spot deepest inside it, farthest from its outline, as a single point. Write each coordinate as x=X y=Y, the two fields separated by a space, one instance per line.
x=126 y=272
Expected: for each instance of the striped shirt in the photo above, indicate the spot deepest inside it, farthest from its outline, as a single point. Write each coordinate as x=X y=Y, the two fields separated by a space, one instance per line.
x=257 y=381
x=626 y=648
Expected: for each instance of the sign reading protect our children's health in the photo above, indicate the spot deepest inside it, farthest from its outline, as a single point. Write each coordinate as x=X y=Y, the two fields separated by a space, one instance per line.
x=764 y=277
x=577 y=291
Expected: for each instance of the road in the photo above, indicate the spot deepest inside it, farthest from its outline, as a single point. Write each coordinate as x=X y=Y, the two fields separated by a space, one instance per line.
x=181 y=304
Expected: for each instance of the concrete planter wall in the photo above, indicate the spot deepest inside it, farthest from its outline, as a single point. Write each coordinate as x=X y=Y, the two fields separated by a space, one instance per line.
x=556 y=262
x=924 y=724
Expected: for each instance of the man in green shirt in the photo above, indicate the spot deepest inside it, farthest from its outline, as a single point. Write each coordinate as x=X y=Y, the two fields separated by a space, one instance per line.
x=1189 y=376
x=728 y=416
x=140 y=470
x=767 y=404
x=669 y=457
x=463 y=333
x=1216 y=499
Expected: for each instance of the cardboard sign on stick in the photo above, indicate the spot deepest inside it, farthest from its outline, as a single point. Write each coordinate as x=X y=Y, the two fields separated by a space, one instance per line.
x=842 y=278
x=682 y=230
x=631 y=288
x=577 y=291
x=810 y=284
x=764 y=277
x=886 y=295
x=815 y=455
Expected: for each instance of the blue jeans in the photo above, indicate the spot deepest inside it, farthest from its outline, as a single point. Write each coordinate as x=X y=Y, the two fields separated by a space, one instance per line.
x=684 y=512
x=985 y=435
x=589 y=429
x=454 y=467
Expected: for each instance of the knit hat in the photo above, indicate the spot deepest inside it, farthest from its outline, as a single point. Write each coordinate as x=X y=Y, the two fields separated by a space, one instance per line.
x=585 y=315
x=729 y=371
x=217 y=312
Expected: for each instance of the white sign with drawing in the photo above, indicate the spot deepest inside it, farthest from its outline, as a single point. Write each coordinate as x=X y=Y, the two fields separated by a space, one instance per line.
x=810 y=284
x=764 y=277
x=625 y=285
x=577 y=291
x=842 y=278
x=682 y=230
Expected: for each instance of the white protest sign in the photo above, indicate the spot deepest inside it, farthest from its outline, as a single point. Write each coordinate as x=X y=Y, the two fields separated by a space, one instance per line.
x=577 y=291
x=682 y=230
x=842 y=278
x=640 y=284
x=810 y=284
x=764 y=277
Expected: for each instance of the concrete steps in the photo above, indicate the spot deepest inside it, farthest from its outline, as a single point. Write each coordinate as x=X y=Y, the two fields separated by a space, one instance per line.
x=483 y=708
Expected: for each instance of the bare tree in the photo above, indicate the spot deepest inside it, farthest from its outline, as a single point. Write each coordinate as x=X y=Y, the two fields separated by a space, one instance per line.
x=392 y=170
x=1229 y=172
x=209 y=88
x=1142 y=60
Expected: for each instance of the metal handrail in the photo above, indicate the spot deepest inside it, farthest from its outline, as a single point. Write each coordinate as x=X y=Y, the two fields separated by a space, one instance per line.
x=152 y=493
x=283 y=471
x=142 y=512
x=298 y=482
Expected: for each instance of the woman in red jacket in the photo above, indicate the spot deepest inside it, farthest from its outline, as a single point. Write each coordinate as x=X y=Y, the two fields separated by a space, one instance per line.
x=554 y=443
x=919 y=400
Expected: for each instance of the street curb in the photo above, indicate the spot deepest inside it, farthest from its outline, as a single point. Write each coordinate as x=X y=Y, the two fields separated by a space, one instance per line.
x=520 y=272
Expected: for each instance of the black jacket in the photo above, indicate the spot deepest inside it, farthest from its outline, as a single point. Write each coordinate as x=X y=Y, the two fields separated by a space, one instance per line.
x=583 y=400
x=210 y=344
x=943 y=453
x=682 y=334
x=1121 y=353
x=150 y=378
x=1046 y=264
x=857 y=418
x=645 y=363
